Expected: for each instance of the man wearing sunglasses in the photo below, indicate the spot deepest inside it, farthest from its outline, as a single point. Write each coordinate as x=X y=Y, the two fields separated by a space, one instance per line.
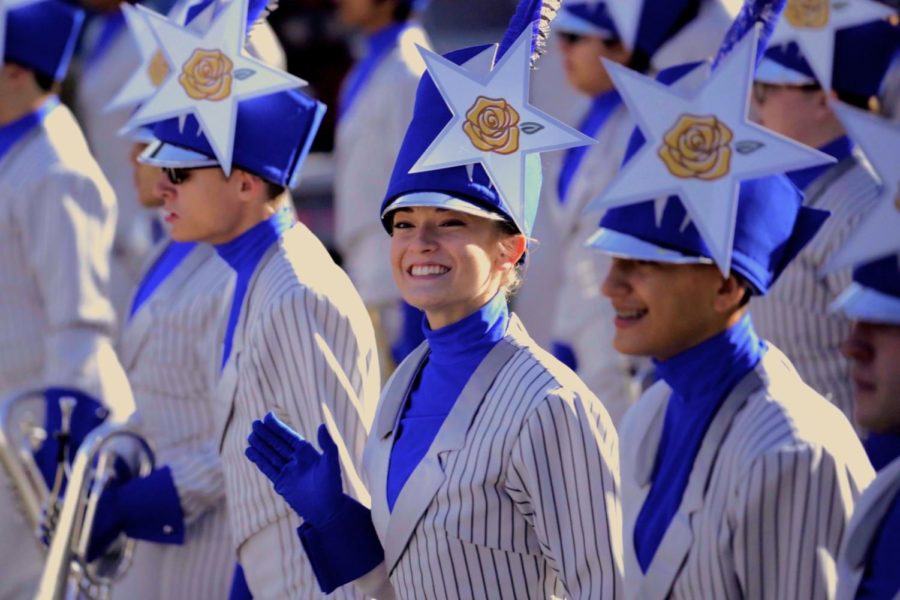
x=581 y=330
x=788 y=98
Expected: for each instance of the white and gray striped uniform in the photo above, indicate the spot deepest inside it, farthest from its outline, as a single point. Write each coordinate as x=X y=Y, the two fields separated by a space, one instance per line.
x=870 y=511
x=794 y=314
x=168 y=351
x=57 y=216
x=304 y=348
x=767 y=502
x=518 y=495
x=583 y=319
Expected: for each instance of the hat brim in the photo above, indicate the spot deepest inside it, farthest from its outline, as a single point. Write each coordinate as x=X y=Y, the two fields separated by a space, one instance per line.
x=861 y=303
x=774 y=73
x=438 y=200
x=566 y=22
x=621 y=245
x=161 y=154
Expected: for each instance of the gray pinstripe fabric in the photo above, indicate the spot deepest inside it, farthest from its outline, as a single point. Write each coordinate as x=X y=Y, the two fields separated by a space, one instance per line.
x=168 y=350
x=517 y=496
x=304 y=348
x=57 y=216
x=768 y=500
x=794 y=314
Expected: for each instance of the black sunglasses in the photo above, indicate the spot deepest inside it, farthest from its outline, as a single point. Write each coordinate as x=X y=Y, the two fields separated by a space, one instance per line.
x=178 y=175
x=761 y=89
x=567 y=37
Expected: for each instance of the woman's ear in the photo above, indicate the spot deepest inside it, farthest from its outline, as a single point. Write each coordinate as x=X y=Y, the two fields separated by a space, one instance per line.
x=513 y=247
x=730 y=295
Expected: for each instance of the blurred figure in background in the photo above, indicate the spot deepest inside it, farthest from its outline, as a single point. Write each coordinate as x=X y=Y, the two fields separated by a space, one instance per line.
x=582 y=328
x=109 y=56
x=374 y=109
x=789 y=99
x=57 y=216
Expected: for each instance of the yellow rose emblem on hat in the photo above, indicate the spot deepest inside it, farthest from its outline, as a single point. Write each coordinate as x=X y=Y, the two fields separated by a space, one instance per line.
x=811 y=14
x=697 y=147
x=157 y=69
x=492 y=125
x=207 y=75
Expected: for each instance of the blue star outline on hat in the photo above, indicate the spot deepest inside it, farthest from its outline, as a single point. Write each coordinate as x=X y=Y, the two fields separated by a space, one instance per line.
x=493 y=123
x=812 y=24
x=5 y=7
x=213 y=74
x=879 y=233
x=700 y=145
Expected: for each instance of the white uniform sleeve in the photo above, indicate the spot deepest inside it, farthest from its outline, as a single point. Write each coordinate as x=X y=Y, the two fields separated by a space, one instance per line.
x=68 y=227
x=564 y=479
x=199 y=480
x=788 y=520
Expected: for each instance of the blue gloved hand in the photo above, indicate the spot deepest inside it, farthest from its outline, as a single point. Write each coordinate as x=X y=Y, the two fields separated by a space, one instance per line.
x=309 y=481
x=87 y=415
x=145 y=508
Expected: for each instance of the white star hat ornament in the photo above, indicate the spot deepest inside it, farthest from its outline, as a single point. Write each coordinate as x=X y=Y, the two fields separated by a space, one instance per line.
x=879 y=233
x=812 y=24
x=6 y=6
x=472 y=92
x=700 y=145
x=212 y=74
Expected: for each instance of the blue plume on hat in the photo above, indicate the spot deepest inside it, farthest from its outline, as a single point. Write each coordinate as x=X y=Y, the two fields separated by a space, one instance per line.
x=42 y=36
x=754 y=12
x=256 y=10
x=431 y=115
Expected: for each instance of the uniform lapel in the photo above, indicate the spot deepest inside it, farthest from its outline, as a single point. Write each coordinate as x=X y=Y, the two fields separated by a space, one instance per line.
x=678 y=539
x=868 y=514
x=425 y=481
x=227 y=386
x=135 y=330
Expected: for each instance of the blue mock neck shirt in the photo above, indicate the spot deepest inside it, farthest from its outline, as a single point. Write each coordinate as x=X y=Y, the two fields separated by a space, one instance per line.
x=243 y=254
x=701 y=378
x=11 y=133
x=881 y=576
x=455 y=352
x=378 y=45
x=172 y=256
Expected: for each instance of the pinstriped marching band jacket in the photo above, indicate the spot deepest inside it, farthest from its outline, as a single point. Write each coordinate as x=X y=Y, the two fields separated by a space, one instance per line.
x=769 y=498
x=518 y=495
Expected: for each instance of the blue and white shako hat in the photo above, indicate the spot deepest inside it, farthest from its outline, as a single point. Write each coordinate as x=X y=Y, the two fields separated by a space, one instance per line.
x=874 y=295
x=40 y=34
x=701 y=183
x=839 y=44
x=217 y=105
x=878 y=236
x=474 y=141
x=587 y=17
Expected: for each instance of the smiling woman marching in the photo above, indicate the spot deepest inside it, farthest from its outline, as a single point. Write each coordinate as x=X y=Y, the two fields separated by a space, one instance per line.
x=492 y=468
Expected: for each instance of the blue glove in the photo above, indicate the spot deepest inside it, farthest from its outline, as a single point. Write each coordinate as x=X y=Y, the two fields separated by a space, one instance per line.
x=146 y=508
x=239 y=588
x=87 y=415
x=310 y=482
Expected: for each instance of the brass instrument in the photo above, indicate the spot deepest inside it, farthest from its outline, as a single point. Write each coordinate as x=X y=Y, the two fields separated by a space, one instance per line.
x=67 y=521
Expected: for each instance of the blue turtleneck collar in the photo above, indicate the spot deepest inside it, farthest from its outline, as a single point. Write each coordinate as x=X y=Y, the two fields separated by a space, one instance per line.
x=378 y=45
x=882 y=448
x=243 y=254
x=470 y=338
x=839 y=148
x=711 y=368
x=701 y=378
x=13 y=132
x=456 y=351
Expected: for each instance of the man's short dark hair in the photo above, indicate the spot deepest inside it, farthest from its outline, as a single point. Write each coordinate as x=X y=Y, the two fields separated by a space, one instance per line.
x=402 y=10
x=273 y=190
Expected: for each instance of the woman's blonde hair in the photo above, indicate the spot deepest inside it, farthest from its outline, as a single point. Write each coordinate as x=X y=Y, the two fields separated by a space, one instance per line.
x=515 y=277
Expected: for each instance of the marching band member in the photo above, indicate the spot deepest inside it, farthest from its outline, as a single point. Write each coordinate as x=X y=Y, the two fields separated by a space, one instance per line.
x=868 y=565
x=375 y=107
x=295 y=337
x=582 y=330
x=491 y=467
x=788 y=99
x=56 y=231
x=868 y=562
x=737 y=478
x=165 y=344
x=109 y=60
